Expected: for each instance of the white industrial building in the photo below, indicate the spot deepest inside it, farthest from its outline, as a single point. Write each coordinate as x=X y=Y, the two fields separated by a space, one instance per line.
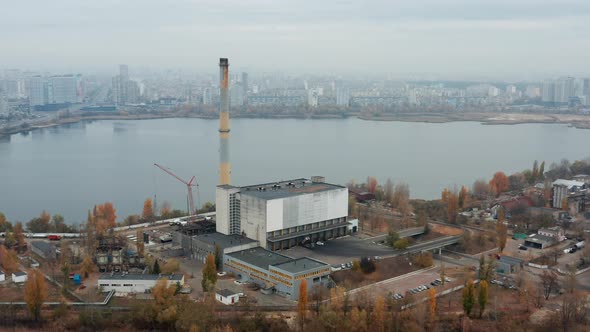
x=19 y=277
x=280 y=215
x=2 y=276
x=227 y=297
x=125 y=283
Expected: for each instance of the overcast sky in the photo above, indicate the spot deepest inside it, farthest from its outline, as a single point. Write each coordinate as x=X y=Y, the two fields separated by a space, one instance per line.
x=453 y=39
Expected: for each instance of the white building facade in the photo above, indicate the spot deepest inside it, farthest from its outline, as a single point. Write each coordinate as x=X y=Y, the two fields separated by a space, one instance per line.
x=124 y=284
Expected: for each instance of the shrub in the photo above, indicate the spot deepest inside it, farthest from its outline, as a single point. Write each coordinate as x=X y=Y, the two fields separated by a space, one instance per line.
x=367 y=265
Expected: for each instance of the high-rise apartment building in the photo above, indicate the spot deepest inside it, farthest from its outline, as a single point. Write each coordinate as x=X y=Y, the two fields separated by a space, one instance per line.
x=342 y=96
x=37 y=91
x=236 y=95
x=559 y=91
x=3 y=104
x=64 y=89
x=207 y=96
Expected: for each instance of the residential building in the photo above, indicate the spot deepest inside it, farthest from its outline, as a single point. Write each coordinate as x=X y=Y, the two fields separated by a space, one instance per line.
x=561 y=189
x=37 y=91
x=227 y=297
x=342 y=96
x=125 y=283
x=236 y=95
x=554 y=232
x=19 y=277
x=4 y=109
x=64 y=89
x=276 y=273
x=281 y=215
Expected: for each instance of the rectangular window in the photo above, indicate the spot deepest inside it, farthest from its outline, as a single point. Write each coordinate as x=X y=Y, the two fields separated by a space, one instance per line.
x=128 y=285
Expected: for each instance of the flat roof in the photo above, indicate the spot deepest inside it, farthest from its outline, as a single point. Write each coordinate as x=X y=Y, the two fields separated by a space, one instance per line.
x=136 y=276
x=224 y=241
x=511 y=260
x=260 y=257
x=44 y=246
x=289 y=188
x=19 y=273
x=540 y=239
x=300 y=265
x=226 y=292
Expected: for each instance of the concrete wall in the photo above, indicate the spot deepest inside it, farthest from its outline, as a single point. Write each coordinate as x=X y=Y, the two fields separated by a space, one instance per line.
x=253 y=213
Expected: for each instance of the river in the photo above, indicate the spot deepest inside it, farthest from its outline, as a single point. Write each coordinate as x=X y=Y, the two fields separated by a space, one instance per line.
x=69 y=169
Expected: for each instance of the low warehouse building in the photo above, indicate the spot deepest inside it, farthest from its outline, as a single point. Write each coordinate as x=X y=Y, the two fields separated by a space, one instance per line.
x=125 y=283
x=277 y=273
x=19 y=277
x=199 y=246
x=508 y=264
x=227 y=297
x=2 y=276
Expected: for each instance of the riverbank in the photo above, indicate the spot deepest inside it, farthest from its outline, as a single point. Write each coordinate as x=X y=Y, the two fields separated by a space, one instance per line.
x=576 y=121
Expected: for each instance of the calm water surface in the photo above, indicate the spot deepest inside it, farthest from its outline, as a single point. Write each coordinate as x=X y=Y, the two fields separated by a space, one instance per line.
x=68 y=169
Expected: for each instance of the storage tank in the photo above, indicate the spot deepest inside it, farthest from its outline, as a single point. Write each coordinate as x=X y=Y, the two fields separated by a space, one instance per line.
x=118 y=256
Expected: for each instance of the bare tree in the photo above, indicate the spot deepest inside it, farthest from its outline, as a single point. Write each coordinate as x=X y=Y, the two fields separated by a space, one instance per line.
x=549 y=283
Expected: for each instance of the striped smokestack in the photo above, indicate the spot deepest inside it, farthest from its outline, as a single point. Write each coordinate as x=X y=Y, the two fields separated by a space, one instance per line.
x=224 y=166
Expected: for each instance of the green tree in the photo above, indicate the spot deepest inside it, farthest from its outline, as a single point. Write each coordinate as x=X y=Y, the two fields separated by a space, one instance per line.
x=401 y=244
x=209 y=274
x=542 y=170
x=482 y=296
x=468 y=297
x=392 y=237
x=156 y=269
x=218 y=257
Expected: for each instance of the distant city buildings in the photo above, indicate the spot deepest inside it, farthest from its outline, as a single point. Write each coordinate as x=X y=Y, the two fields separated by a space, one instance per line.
x=124 y=90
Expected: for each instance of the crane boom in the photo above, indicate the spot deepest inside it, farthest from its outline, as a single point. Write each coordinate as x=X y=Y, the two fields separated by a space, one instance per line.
x=188 y=184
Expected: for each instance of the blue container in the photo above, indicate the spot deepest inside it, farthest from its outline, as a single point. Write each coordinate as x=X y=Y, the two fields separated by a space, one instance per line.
x=77 y=279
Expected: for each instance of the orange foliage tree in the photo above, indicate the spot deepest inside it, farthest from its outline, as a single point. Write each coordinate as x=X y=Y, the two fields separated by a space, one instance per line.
x=499 y=183
x=371 y=184
x=105 y=216
x=35 y=293
x=8 y=260
x=148 y=211
x=451 y=200
x=302 y=303
x=19 y=235
x=463 y=197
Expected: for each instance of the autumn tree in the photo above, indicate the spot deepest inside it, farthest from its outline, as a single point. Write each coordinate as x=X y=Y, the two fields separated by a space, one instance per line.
x=35 y=293
x=19 y=235
x=388 y=190
x=140 y=244
x=535 y=170
x=87 y=266
x=379 y=314
x=401 y=195
x=432 y=305
x=451 y=200
x=105 y=217
x=209 y=274
x=468 y=297
x=8 y=260
x=302 y=301
x=463 y=199
x=499 y=183
x=166 y=307
x=4 y=223
x=481 y=189
x=171 y=266
x=371 y=184
x=542 y=170
x=165 y=210
x=482 y=296
x=148 y=212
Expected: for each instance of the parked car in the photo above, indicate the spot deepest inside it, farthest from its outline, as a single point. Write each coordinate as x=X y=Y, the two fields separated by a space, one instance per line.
x=221 y=274
x=319 y=243
x=521 y=247
x=238 y=282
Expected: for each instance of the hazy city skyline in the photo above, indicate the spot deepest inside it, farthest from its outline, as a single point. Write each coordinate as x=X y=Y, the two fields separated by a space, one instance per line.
x=456 y=39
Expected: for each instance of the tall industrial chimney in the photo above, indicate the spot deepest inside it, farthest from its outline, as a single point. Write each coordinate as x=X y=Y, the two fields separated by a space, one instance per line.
x=224 y=166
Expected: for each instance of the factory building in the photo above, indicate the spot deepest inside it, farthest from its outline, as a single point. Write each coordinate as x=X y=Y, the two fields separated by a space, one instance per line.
x=125 y=283
x=281 y=215
x=200 y=246
x=276 y=273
